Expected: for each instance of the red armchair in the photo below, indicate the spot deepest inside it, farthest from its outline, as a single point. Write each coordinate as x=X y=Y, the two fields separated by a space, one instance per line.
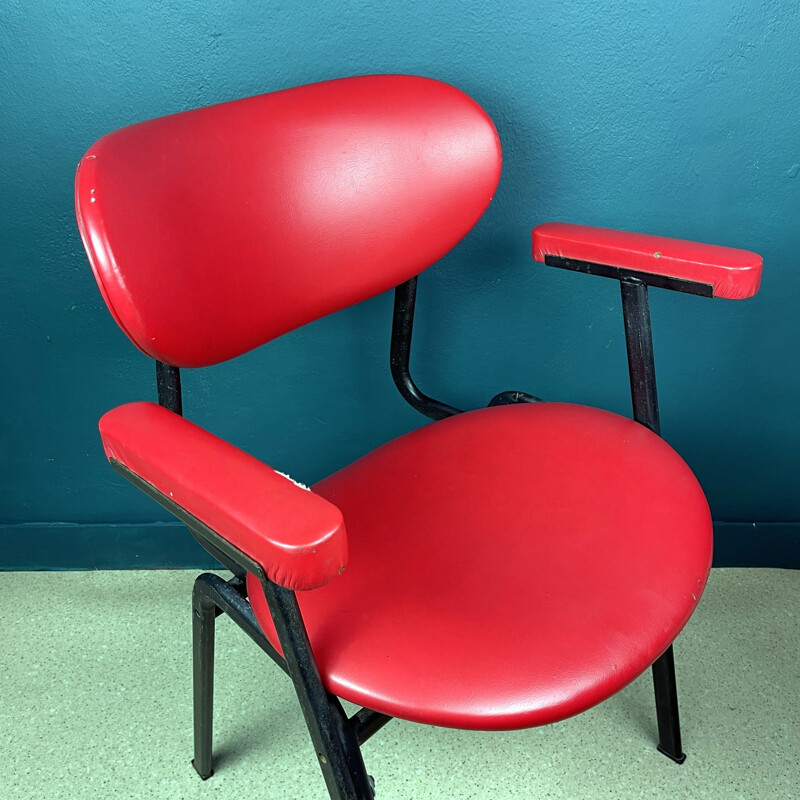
x=502 y=568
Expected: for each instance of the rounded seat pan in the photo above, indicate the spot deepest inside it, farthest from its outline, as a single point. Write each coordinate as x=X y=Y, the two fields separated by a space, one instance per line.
x=509 y=567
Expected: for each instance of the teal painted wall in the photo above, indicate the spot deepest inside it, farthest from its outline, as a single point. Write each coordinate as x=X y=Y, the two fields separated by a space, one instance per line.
x=674 y=118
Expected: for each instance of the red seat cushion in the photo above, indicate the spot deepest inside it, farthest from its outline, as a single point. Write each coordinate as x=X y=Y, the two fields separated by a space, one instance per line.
x=509 y=567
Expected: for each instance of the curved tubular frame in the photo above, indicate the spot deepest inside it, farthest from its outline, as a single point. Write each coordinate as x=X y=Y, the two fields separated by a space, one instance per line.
x=405 y=298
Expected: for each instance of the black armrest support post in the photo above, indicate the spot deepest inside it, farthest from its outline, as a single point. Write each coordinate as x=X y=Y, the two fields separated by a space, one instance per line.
x=641 y=363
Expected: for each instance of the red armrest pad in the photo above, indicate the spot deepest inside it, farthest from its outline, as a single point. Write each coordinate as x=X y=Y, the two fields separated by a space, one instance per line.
x=734 y=274
x=297 y=536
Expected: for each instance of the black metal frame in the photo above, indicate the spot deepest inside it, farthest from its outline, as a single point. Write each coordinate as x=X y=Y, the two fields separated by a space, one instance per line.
x=336 y=737
x=620 y=274
x=405 y=299
x=642 y=370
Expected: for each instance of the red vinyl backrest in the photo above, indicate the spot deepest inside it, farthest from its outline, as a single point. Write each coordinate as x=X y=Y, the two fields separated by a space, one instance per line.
x=213 y=231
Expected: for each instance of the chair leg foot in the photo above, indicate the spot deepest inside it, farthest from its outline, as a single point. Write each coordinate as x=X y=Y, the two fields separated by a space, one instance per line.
x=666 y=689
x=677 y=759
x=203 y=618
x=202 y=776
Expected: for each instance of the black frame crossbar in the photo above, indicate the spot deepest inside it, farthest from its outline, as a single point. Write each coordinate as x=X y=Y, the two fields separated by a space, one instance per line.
x=621 y=274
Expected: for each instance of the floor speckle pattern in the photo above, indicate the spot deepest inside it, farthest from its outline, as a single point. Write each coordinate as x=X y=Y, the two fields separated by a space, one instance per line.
x=95 y=680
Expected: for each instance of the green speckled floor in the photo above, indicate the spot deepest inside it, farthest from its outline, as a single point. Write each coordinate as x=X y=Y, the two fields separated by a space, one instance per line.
x=95 y=681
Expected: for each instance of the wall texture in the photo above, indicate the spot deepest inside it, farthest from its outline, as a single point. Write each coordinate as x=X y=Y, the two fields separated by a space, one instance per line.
x=680 y=119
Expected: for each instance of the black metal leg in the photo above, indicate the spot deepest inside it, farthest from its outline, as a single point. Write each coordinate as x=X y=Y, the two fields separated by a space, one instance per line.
x=641 y=364
x=334 y=737
x=204 y=614
x=669 y=725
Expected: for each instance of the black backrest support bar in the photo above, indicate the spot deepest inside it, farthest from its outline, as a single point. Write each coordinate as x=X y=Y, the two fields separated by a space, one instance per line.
x=405 y=297
x=168 y=380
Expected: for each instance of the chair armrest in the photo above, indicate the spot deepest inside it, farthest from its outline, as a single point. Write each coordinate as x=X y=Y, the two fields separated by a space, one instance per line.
x=685 y=266
x=296 y=536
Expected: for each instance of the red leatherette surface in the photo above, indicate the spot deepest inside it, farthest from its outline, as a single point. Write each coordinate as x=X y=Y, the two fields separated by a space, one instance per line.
x=735 y=274
x=212 y=231
x=508 y=567
x=297 y=536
